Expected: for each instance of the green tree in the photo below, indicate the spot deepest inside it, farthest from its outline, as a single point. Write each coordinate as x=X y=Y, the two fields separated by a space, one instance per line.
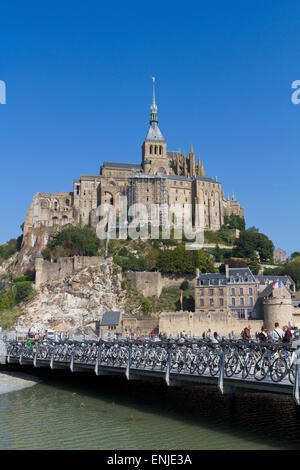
x=184 y=285
x=253 y=229
x=234 y=222
x=24 y=291
x=251 y=242
x=74 y=241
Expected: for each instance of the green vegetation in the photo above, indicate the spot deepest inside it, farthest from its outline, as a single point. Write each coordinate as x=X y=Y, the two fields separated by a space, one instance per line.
x=73 y=241
x=8 y=317
x=8 y=249
x=20 y=291
x=288 y=269
x=234 y=222
x=223 y=236
x=251 y=242
x=181 y=261
x=184 y=285
x=169 y=301
x=146 y=306
x=131 y=262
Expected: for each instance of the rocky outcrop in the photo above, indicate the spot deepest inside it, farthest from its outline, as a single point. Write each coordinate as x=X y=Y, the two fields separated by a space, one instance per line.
x=78 y=300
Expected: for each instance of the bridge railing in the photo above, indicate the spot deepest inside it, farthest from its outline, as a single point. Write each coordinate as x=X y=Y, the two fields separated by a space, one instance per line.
x=275 y=362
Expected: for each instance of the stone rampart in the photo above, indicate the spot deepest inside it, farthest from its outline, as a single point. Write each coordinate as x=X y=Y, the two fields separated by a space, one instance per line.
x=47 y=271
x=151 y=284
x=195 y=323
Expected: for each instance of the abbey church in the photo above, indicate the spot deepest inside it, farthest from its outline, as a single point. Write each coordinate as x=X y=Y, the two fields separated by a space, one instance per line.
x=162 y=177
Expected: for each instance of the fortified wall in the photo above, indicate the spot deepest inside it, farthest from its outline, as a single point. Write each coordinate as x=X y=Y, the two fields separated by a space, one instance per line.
x=195 y=323
x=151 y=284
x=47 y=271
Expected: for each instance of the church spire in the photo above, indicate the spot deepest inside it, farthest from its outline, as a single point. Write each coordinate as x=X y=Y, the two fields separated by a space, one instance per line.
x=153 y=115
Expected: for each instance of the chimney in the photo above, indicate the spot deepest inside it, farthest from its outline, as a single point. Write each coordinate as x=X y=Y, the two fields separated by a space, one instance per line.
x=227 y=271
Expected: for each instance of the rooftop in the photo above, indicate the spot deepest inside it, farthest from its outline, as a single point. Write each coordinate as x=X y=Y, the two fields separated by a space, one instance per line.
x=110 y=319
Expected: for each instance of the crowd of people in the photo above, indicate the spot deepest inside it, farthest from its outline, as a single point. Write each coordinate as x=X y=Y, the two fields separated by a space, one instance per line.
x=283 y=335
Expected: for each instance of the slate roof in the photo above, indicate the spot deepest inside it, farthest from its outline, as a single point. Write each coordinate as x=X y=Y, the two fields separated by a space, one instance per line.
x=262 y=279
x=110 y=319
x=154 y=133
x=267 y=291
x=122 y=165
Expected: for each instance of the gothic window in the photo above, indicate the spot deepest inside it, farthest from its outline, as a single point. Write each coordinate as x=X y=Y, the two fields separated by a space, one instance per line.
x=151 y=148
x=67 y=202
x=160 y=150
x=155 y=149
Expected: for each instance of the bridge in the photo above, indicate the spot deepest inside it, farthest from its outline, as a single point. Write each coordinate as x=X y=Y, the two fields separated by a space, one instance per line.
x=229 y=365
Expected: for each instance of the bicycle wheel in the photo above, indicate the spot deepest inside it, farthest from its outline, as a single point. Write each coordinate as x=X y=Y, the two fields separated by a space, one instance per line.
x=261 y=369
x=231 y=366
x=214 y=364
x=292 y=371
x=278 y=369
x=202 y=363
x=248 y=368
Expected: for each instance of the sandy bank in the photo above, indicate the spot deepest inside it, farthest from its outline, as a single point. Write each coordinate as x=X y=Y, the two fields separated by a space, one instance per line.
x=12 y=381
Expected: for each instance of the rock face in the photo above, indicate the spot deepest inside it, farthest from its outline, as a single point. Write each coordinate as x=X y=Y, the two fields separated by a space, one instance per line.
x=77 y=301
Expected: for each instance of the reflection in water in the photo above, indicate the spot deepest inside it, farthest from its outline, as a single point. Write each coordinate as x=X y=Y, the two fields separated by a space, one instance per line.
x=89 y=412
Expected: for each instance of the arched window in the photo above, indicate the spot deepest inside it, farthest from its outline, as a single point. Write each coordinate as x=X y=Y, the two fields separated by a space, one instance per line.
x=160 y=150
x=155 y=149
x=151 y=148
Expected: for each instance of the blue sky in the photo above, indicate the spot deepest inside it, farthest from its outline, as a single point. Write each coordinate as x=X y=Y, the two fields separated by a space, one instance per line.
x=78 y=77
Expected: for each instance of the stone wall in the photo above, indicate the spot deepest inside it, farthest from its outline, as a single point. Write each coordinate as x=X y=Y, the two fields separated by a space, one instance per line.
x=195 y=323
x=151 y=284
x=142 y=326
x=47 y=271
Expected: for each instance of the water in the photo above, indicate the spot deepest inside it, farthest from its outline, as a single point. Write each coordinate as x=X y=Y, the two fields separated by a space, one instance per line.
x=89 y=412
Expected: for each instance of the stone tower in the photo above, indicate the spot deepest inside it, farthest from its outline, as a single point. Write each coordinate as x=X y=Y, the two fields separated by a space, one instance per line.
x=154 y=148
x=278 y=307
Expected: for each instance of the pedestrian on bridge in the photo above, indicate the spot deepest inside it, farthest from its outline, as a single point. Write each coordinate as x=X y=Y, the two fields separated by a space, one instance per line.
x=277 y=333
x=287 y=335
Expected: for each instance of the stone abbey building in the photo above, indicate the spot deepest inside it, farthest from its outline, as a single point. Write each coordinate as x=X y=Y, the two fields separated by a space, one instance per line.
x=162 y=177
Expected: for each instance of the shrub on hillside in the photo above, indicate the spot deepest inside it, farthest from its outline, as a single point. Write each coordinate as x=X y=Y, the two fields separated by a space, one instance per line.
x=73 y=241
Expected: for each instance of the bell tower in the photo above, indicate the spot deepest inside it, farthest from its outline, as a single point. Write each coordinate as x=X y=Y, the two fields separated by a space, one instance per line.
x=154 y=148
